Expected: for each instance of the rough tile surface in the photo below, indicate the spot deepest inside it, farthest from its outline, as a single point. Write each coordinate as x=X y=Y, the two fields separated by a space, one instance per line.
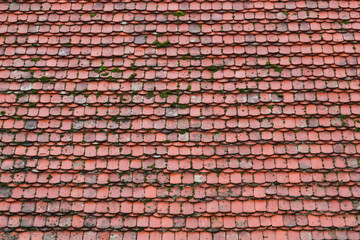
x=179 y=120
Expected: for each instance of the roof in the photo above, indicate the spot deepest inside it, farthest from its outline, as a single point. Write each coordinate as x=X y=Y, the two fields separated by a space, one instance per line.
x=180 y=120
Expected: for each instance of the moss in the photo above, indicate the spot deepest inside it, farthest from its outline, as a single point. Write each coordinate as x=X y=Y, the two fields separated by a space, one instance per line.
x=241 y=90
x=110 y=78
x=150 y=95
x=68 y=43
x=274 y=66
x=115 y=118
x=161 y=45
x=116 y=70
x=103 y=68
x=35 y=59
x=19 y=95
x=44 y=79
x=213 y=68
x=179 y=14
x=132 y=76
x=164 y=95
x=133 y=67
x=343 y=116
x=277 y=69
x=92 y=15
x=183 y=106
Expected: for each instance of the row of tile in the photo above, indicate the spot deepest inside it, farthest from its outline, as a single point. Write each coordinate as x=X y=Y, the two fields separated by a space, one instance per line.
x=277 y=71
x=205 y=25
x=196 y=193
x=181 y=194
x=191 y=126
x=178 y=96
x=173 y=6
x=287 y=68
x=207 y=73
x=159 y=208
x=176 y=150
x=181 y=110
x=194 y=235
x=167 y=138
x=165 y=102
x=347 y=19
x=267 y=40
x=217 y=176
x=250 y=84
x=188 y=55
x=163 y=6
x=289 y=221
x=245 y=86
x=64 y=163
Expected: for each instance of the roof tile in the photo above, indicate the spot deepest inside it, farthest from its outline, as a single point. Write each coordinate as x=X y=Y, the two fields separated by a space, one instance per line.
x=147 y=120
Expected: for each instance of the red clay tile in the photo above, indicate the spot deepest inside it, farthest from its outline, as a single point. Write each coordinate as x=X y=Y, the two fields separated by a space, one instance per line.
x=246 y=145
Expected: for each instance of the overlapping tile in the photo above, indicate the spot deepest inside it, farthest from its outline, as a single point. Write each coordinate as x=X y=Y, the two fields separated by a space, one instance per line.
x=179 y=120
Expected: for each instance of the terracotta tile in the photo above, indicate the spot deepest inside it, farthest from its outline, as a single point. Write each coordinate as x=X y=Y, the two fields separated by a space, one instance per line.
x=273 y=135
